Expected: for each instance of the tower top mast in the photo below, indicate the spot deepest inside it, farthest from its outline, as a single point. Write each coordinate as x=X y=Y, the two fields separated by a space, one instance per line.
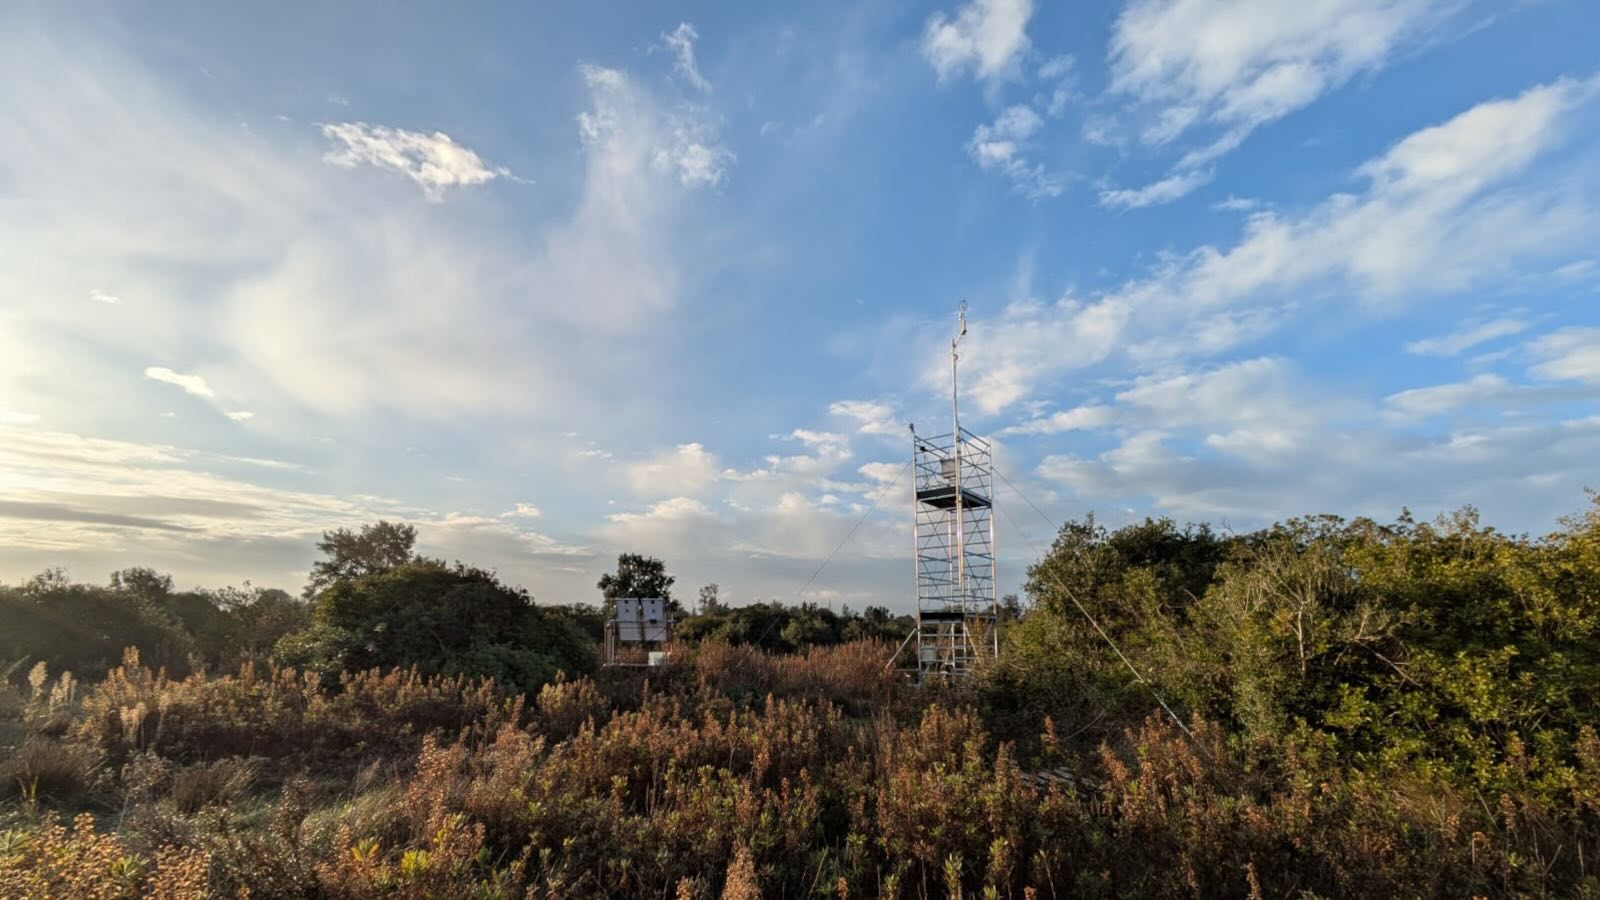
x=955 y=358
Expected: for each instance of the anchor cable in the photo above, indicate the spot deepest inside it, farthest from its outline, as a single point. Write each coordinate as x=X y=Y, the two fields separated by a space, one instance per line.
x=1081 y=608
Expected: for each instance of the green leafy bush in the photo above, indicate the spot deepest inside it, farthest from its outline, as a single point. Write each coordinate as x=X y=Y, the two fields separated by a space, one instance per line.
x=442 y=620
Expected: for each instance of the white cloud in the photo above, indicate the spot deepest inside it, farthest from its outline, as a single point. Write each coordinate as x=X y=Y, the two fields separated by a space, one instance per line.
x=881 y=472
x=1241 y=63
x=1014 y=123
x=792 y=526
x=66 y=497
x=195 y=385
x=988 y=37
x=191 y=384
x=765 y=528
x=875 y=417
x=826 y=442
x=1076 y=419
x=683 y=470
x=493 y=541
x=1166 y=190
x=434 y=161
x=277 y=464
x=1251 y=409
x=1237 y=204
x=672 y=509
x=1569 y=354
x=13 y=417
x=674 y=527
x=100 y=296
x=1057 y=67
x=1524 y=475
x=1466 y=338
x=1235 y=65
x=1577 y=270
x=245 y=250
x=1002 y=145
x=683 y=141
x=95 y=505
x=681 y=42
x=1480 y=145
x=784 y=474
x=697 y=164
x=1432 y=219
x=1253 y=390
x=1425 y=402
x=526 y=511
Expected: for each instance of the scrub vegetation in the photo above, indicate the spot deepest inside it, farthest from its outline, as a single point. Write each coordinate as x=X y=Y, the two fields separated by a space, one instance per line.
x=1359 y=709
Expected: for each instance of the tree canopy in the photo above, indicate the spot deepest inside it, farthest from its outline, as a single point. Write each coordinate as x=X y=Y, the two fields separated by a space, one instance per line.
x=376 y=547
x=637 y=576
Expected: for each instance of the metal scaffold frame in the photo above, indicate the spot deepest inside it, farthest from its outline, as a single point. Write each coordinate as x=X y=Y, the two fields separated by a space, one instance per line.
x=953 y=531
x=954 y=534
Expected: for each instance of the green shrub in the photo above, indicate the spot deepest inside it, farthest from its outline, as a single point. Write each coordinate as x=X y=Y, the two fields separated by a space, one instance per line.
x=442 y=620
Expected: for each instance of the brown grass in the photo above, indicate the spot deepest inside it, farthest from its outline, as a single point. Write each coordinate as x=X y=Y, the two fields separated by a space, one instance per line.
x=693 y=786
x=48 y=769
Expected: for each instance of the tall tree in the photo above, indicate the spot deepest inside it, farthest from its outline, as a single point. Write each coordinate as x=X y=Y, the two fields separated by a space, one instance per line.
x=711 y=601
x=141 y=582
x=636 y=576
x=376 y=548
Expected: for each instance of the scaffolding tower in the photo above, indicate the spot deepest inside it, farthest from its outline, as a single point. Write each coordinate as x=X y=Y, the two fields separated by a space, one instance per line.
x=954 y=534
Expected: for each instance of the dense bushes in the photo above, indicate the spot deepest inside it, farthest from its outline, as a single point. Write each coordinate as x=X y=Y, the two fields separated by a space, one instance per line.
x=444 y=620
x=84 y=628
x=1448 y=648
x=776 y=627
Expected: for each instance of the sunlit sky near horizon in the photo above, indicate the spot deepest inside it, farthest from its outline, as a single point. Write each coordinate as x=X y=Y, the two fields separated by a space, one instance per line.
x=553 y=281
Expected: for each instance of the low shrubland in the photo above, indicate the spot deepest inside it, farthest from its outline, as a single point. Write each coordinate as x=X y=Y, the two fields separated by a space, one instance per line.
x=1358 y=710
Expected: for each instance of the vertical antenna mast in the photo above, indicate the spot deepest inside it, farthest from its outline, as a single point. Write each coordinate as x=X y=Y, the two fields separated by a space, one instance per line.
x=955 y=431
x=955 y=358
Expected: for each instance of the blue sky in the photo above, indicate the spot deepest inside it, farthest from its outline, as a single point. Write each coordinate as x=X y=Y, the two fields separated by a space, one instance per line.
x=557 y=282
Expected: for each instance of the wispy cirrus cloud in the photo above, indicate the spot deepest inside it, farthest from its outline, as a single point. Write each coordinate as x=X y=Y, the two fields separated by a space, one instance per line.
x=1433 y=217
x=1164 y=191
x=1250 y=441
x=680 y=41
x=1227 y=67
x=1465 y=338
x=1568 y=354
x=681 y=140
x=84 y=502
x=1075 y=419
x=1424 y=402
